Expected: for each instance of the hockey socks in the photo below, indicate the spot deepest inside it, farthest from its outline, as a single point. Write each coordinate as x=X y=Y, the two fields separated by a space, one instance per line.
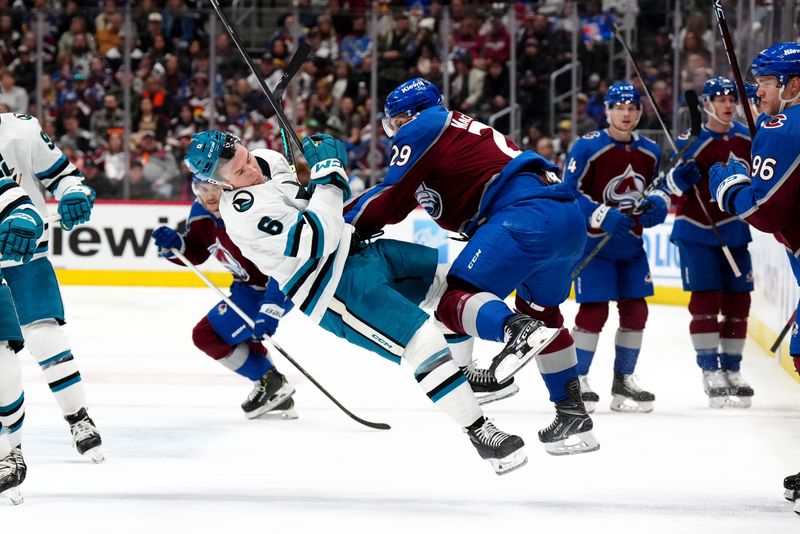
x=248 y=360
x=627 y=344
x=12 y=399
x=704 y=327
x=49 y=346
x=585 y=347
x=439 y=377
x=481 y=314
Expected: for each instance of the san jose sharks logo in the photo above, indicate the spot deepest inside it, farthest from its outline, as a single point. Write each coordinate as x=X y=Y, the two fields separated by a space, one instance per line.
x=243 y=201
x=430 y=200
x=625 y=189
x=222 y=255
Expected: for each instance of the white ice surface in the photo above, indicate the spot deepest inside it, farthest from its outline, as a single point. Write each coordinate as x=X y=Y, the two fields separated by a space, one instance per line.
x=181 y=455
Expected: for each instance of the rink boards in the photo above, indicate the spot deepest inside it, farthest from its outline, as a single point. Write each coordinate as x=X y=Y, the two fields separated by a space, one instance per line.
x=115 y=248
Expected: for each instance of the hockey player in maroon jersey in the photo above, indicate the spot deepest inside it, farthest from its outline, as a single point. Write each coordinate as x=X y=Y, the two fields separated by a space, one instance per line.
x=524 y=231
x=222 y=334
x=611 y=169
x=720 y=301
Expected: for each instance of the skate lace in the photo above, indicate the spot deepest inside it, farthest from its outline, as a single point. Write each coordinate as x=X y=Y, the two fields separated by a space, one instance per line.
x=8 y=464
x=716 y=379
x=491 y=435
x=257 y=390
x=478 y=376
x=735 y=379
x=632 y=382
x=82 y=430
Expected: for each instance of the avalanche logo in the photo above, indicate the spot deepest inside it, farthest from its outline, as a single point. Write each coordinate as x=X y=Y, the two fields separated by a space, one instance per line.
x=776 y=121
x=430 y=200
x=228 y=260
x=243 y=201
x=624 y=189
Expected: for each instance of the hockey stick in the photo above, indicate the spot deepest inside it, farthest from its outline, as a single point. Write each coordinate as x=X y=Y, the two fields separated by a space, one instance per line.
x=249 y=322
x=786 y=328
x=725 y=250
x=286 y=129
x=695 y=119
x=731 y=53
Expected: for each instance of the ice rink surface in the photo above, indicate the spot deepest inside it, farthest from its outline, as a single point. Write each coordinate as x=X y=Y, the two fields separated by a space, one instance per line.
x=181 y=455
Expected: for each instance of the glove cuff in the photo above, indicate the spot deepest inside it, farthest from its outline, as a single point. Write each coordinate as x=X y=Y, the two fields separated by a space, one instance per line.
x=27 y=212
x=672 y=186
x=326 y=167
x=167 y=252
x=598 y=216
x=80 y=188
x=663 y=196
x=726 y=185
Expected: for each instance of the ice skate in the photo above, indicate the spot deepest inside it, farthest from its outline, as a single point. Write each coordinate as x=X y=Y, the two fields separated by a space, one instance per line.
x=285 y=410
x=486 y=387
x=85 y=436
x=589 y=397
x=627 y=396
x=716 y=386
x=740 y=393
x=503 y=451
x=525 y=337
x=12 y=475
x=571 y=431
x=268 y=392
x=792 y=486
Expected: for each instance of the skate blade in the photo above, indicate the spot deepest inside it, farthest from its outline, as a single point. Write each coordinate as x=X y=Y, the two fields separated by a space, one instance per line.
x=739 y=402
x=291 y=413
x=512 y=462
x=14 y=494
x=620 y=403
x=590 y=406
x=718 y=402
x=506 y=392
x=280 y=396
x=511 y=364
x=575 y=444
x=797 y=508
x=95 y=455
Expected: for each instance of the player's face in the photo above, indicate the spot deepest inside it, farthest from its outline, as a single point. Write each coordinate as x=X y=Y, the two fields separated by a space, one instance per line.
x=724 y=107
x=624 y=117
x=208 y=195
x=392 y=124
x=768 y=92
x=241 y=170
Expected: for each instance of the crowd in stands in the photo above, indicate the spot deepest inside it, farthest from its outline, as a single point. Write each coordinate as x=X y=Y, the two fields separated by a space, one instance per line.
x=84 y=76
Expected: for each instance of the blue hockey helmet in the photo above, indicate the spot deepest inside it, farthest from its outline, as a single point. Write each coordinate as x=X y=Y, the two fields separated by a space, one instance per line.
x=411 y=97
x=717 y=86
x=781 y=60
x=205 y=151
x=622 y=93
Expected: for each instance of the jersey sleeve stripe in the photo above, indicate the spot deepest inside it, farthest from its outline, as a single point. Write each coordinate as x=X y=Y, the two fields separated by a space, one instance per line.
x=320 y=283
x=295 y=282
x=317 y=236
x=54 y=170
x=294 y=237
x=52 y=187
x=21 y=201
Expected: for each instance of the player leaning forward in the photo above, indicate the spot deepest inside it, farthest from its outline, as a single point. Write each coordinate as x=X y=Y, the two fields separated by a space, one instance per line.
x=767 y=194
x=367 y=294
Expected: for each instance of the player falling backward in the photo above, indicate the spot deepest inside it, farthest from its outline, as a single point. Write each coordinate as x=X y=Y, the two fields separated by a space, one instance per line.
x=30 y=158
x=20 y=229
x=366 y=293
x=766 y=194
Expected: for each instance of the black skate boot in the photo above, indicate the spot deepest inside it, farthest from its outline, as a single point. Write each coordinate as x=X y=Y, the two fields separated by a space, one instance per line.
x=486 y=387
x=503 y=451
x=588 y=396
x=85 y=436
x=271 y=390
x=525 y=337
x=792 y=486
x=741 y=394
x=627 y=396
x=571 y=431
x=12 y=475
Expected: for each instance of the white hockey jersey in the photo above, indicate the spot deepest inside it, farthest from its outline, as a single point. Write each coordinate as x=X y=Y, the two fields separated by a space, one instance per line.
x=12 y=196
x=301 y=242
x=30 y=158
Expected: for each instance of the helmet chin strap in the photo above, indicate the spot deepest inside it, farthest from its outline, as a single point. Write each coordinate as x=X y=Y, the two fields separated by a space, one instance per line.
x=708 y=107
x=785 y=102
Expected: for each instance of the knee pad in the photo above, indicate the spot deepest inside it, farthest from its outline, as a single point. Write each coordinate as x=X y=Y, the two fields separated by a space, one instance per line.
x=206 y=339
x=44 y=338
x=426 y=348
x=592 y=316
x=10 y=375
x=549 y=315
x=632 y=313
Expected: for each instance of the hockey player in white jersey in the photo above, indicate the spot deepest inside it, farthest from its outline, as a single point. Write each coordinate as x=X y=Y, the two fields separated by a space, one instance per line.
x=365 y=293
x=30 y=158
x=20 y=229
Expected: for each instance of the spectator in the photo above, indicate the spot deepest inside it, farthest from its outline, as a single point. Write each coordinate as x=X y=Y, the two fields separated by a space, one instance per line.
x=467 y=87
x=394 y=49
x=344 y=83
x=113 y=158
x=151 y=120
x=67 y=40
x=24 y=69
x=109 y=117
x=76 y=137
x=563 y=141
x=94 y=177
x=103 y=20
x=159 y=167
x=351 y=123
x=139 y=187
x=179 y=25
x=9 y=38
x=109 y=36
x=496 y=89
x=81 y=53
x=154 y=29
x=229 y=61
x=584 y=123
x=329 y=41
x=545 y=148
x=496 y=44
x=163 y=103
x=15 y=97
x=357 y=45
x=283 y=33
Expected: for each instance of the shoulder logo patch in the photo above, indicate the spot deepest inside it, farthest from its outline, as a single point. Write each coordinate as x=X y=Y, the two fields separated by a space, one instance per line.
x=776 y=121
x=430 y=200
x=243 y=201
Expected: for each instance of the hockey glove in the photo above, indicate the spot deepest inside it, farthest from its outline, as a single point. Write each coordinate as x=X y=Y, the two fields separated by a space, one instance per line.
x=683 y=177
x=75 y=205
x=610 y=220
x=327 y=159
x=654 y=210
x=19 y=232
x=266 y=321
x=167 y=238
x=725 y=180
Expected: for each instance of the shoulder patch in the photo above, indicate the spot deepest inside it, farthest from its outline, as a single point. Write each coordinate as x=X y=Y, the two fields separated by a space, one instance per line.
x=243 y=201
x=776 y=121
